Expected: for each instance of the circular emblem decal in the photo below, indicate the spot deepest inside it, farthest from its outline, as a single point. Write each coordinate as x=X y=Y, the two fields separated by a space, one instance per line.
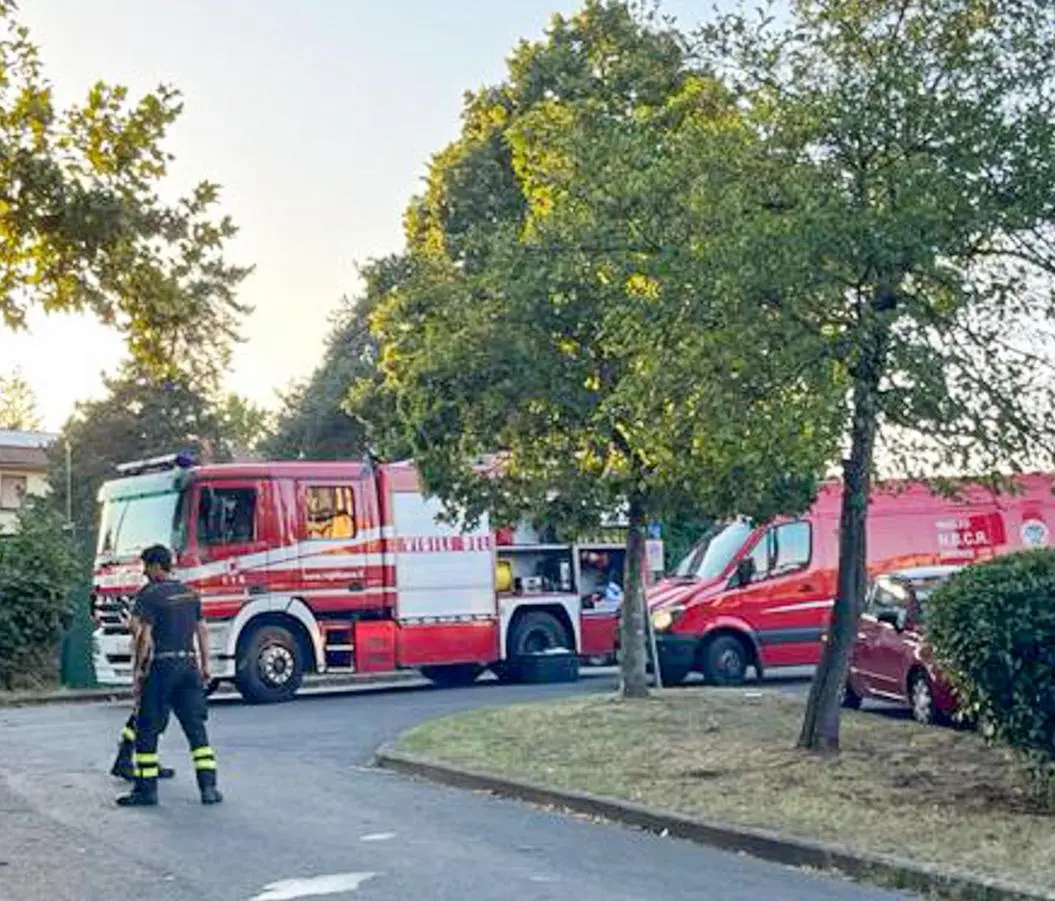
x=1034 y=533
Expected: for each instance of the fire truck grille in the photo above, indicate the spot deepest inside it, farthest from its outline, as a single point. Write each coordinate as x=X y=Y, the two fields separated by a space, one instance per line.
x=110 y=611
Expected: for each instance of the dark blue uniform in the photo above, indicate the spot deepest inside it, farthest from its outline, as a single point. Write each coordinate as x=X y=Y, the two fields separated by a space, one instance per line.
x=173 y=684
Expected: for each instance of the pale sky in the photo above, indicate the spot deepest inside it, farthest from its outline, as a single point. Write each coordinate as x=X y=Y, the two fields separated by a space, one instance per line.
x=317 y=117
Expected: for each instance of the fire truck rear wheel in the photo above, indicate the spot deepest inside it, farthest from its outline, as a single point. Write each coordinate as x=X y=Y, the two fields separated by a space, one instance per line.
x=270 y=668
x=532 y=633
x=455 y=675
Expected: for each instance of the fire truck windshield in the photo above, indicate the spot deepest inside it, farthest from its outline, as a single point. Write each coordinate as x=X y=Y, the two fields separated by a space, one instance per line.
x=129 y=525
x=711 y=554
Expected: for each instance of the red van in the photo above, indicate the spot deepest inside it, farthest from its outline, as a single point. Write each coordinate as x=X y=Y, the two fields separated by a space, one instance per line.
x=759 y=597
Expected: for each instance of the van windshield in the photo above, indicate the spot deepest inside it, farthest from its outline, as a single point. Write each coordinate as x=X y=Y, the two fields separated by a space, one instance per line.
x=712 y=554
x=129 y=525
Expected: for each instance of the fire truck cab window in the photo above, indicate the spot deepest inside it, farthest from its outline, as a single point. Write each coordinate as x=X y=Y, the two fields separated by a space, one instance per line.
x=226 y=516
x=329 y=512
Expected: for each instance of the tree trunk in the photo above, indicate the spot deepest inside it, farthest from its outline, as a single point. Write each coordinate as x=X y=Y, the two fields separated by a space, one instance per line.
x=633 y=637
x=820 y=727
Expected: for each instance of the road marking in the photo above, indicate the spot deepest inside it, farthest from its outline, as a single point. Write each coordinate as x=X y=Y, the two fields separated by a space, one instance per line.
x=289 y=889
x=378 y=837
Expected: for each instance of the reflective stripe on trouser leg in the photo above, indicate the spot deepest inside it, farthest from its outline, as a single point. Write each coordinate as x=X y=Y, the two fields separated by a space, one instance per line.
x=146 y=766
x=204 y=758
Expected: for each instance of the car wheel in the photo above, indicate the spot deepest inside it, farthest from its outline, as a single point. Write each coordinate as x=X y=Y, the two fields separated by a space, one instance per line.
x=849 y=698
x=270 y=668
x=921 y=697
x=725 y=661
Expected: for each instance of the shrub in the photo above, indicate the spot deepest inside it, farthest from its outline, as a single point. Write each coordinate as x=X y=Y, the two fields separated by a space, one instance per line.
x=37 y=571
x=992 y=628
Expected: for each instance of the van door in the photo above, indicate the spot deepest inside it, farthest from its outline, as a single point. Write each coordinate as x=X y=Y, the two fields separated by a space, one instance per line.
x=228 y=547
x=785 y=603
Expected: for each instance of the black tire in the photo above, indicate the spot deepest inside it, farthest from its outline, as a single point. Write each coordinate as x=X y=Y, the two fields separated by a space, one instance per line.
x=921 y=700
x=535 y=633
x=532 y=633
x=456 y=675
x=725 y=660
x=851 y=700
x=270 y=665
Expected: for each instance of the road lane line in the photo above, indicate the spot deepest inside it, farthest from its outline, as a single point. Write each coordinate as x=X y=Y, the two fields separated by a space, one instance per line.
x=313 y=887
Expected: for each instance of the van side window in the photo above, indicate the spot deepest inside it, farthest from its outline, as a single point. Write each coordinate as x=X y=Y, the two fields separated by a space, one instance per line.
x=762 y=556
x=329 y=512
x=792 y=550
x=226 y=516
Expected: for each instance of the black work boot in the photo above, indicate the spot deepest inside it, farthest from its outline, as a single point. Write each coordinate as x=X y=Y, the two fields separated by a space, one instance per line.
x=123 y=767
x=210 y=794
x=144 y=794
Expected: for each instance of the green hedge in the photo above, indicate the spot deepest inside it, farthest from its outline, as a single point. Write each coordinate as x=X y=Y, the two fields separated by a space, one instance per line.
x=992 y=628
x=37 y=568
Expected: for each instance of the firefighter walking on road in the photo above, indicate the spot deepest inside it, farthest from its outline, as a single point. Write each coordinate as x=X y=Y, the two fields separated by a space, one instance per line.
x=167 y=621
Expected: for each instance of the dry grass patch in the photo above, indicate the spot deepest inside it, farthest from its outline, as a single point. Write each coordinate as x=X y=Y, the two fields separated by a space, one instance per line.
x=926 y=794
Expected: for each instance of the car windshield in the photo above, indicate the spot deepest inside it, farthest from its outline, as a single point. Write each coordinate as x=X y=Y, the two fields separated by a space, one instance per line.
x=711 y=555
x=130 y=525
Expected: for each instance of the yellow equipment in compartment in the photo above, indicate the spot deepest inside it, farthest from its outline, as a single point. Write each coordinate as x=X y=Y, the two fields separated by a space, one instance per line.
x=504 y=576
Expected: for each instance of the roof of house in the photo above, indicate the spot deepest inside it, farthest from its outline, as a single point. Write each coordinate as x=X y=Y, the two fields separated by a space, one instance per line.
x=25 y=450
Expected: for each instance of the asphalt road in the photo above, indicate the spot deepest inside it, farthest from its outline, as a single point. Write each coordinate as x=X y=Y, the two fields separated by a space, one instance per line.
x=307 y=817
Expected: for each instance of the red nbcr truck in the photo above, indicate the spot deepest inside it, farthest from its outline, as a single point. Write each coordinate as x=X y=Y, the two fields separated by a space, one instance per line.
x=760 y=597
x=308 y=567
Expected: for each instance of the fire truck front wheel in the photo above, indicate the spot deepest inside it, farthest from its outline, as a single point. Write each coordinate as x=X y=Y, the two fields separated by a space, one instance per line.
x=270 y=665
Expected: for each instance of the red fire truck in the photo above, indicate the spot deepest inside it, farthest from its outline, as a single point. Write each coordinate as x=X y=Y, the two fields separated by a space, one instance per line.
x=307 y=567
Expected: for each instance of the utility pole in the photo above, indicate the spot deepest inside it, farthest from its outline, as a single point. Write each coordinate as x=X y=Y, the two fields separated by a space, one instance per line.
x=69 y=487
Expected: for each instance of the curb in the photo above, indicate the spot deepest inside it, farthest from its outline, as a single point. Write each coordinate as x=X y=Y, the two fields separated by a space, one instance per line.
x=887 y=871
x=311 y=686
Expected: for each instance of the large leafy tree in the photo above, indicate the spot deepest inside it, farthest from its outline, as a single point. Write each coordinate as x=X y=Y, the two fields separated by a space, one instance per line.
x=564 y=306
x=316 y=421
x=139 y=417
x=900 y=212
x=18 y=403
x=83 y=227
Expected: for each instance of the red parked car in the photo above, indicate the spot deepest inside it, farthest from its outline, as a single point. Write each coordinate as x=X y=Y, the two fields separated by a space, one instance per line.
x=891 y=660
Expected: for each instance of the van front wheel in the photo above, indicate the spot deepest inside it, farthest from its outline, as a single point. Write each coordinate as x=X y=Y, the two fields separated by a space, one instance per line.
x=725 y=661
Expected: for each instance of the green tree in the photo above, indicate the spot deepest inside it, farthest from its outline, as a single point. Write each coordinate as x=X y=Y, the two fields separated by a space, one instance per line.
x=138 y=418
x=316 y=421
x=899 y=211
x=18 y=404
x=560 y=305
x=84 y=228
x=37 y=572
x=245 y=426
